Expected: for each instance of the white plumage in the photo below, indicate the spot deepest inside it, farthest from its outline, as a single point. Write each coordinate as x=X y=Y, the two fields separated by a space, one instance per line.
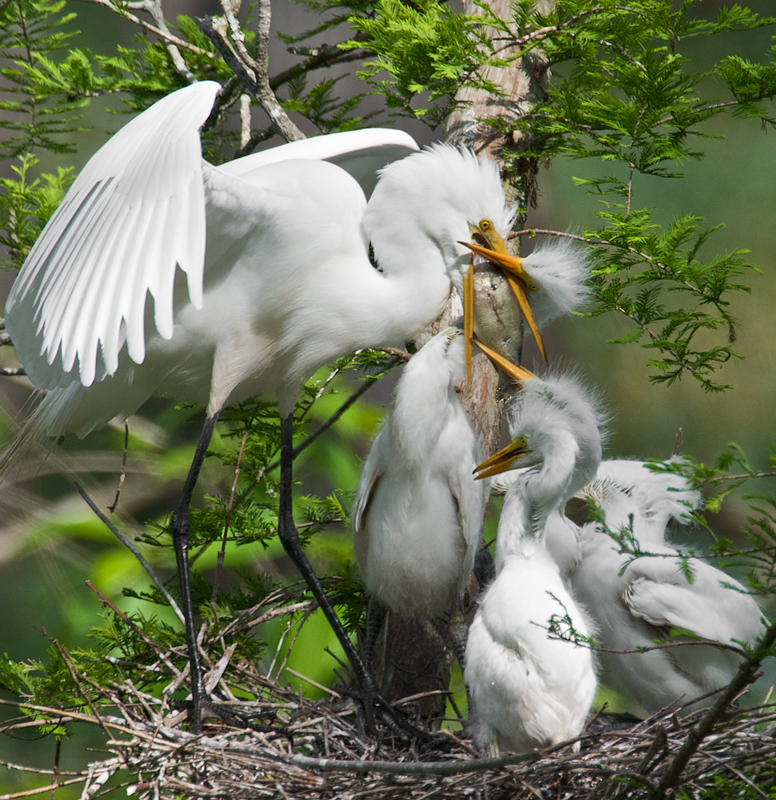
x=163 y=273
x=653 y=595
x=417 y=516
x=528 y=689
x=560 y=270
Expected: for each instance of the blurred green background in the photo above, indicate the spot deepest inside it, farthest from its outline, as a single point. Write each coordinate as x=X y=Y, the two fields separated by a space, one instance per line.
x=50 y=544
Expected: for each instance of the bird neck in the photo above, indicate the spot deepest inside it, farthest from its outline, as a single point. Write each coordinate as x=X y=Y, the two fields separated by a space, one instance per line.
x=534 y=497
x=520 y=532
x=422 y=406
x=414 y=289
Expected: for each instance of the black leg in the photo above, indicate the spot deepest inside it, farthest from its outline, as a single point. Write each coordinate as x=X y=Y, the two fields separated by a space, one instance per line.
x=289 y=536
x=179 y=525
x=375 y=614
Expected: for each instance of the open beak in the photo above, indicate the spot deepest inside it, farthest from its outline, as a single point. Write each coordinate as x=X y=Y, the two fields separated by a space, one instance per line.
x=503 y=459
x=516 y=276
x=514 y=371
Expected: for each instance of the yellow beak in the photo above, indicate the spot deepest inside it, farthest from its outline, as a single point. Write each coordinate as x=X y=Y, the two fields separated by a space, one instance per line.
x=516 y=372
x=468 y=319
x=512 y=267
x=503 y=459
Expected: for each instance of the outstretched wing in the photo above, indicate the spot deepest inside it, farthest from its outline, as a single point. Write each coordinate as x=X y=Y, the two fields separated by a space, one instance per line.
x=361 y=153
x=83 y=290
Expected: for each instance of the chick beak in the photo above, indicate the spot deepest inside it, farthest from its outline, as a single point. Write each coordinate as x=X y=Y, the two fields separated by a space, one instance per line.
x=468 y=318
x=502 y=460
x=514 y=371
x=516 y=276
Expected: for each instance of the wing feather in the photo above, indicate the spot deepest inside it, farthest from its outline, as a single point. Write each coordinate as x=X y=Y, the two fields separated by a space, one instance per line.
x=136 y=211
x=360 y=153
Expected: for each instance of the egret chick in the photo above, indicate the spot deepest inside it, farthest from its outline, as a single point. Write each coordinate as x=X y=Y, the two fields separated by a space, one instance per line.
x=529 y=688
x=548 y=283
x=637 y=601
x=161 y=273
x=417 y=516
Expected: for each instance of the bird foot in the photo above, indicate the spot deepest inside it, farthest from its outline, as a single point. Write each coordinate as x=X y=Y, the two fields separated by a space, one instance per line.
x=373 y=705
x=203 y=707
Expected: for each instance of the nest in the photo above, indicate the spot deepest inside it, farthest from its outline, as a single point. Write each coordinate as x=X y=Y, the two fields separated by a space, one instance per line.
x=300 y=748
x=306 y=749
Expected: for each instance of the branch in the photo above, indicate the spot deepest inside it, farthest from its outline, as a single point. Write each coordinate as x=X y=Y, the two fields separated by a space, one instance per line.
x=746 y=675
x=321 y=58
x=252 y=72
x=131 y=547
x=162 y=34
x=414 y=768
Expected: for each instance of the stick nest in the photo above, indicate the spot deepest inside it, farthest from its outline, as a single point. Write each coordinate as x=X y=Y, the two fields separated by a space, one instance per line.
x=309 y=749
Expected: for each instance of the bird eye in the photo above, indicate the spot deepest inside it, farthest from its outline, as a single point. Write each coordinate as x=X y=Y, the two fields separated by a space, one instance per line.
x=485 y=224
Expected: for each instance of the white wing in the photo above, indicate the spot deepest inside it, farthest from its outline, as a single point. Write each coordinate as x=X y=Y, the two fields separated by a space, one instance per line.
x=361 y=153
x=714 y=606
x=82 y=292
x=374 y=469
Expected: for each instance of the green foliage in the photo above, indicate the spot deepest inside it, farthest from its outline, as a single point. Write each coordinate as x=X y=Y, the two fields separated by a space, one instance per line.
x=322 y=106
x=31 y=32
x=623 y=94
x=422 y=48
x=26 y=205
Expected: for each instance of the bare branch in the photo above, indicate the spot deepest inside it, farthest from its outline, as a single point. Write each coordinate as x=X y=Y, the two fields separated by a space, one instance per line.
x=131 y=547
x=163 y=34
x=251 y=71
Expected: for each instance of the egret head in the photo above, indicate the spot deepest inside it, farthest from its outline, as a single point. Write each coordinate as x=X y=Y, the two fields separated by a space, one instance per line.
x=434 y=199
x=556 y=424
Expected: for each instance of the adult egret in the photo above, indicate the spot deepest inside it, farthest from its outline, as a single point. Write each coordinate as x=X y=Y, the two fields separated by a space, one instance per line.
x=162 y=273
x=637 y=601
x=530 y=689
x=417 y=516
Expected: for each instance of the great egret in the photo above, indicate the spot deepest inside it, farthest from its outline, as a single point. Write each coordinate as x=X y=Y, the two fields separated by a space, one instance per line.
x=530 y=689
x=637 y=601
x=162 y=273
x=417 y=516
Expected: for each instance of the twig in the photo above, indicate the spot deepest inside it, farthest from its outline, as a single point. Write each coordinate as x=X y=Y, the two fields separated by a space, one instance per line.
x=127 y=621
x=132 y=549
x=163 y=34
x=228 y=516
x=154 y=8
x=41 y=789
x=746 y=674
x=123 y=476
x=314 y=683
x=71 y=668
